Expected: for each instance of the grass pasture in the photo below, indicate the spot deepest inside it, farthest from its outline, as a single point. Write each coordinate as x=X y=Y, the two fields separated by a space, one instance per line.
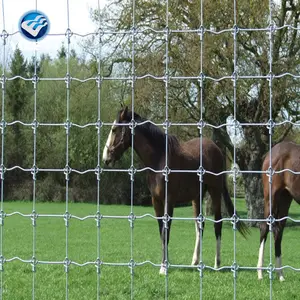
x=115 y=281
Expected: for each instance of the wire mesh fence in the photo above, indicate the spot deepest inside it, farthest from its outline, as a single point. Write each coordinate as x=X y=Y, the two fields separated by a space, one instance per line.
x=132 y=171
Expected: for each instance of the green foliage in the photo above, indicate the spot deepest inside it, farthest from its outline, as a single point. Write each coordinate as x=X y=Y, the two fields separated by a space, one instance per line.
x=52 y=101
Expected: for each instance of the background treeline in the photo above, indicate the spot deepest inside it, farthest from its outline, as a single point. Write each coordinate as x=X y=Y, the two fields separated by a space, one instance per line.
x=51 y=107
x=251 y=105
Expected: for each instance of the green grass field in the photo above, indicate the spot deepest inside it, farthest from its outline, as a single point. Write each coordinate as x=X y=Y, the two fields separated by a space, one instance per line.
x=115 y=281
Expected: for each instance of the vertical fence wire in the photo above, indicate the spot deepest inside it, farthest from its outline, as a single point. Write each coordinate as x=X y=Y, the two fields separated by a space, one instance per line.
x=271 y=219
x=98 y=170
x=167 y=218
x=234 y=79
x=67 y=127
x=132 y=168
x=34 y=169
x=200 y=221
x=3 y=124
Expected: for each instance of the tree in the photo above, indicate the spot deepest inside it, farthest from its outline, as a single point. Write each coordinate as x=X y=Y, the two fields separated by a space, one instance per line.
x=18 y=92
x=252 y=95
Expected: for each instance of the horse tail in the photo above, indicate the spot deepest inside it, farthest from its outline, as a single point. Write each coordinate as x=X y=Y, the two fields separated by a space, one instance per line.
x=241 y=226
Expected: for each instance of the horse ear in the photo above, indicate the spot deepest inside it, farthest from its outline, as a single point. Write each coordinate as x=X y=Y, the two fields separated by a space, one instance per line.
x=122 y=104
x=124 y=113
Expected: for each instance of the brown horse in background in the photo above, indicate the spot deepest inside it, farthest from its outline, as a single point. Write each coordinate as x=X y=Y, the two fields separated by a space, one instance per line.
x=285 y=187
x=149 y=144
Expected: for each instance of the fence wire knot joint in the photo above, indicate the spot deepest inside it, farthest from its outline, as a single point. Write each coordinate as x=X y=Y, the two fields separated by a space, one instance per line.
x=234 y=268
x=67 y=126
x=270 y=271
x=131 y=219
x=99 y=80
x=67 y=264
x=166 y=265
x=98 y=172
x=2 y=171
x=33 y=218
x=2 y=216
x=35 y=79
x=270 y=125
x=67 y=172
x=270 y=173
x=131 y=172
x=201 y=266
x=234 y=76
x=67 y=217
x=200 y=125
x=98 y=218
x=200 y=221
x=68 y=80
x=34 y=125
x=131 y=264
x=201 y=79
x=34 y=170
x=234 y=220
x=166 y=219
x=200 y=172
x=2 y=261
x=167 y=124
x=68 y=34
x=3 y=81
x=4 y=36
x=34 y=262
x=201 y=32
x=235 y=172
x=98 y=264
x=132 y=126
x=166 y=172
x=270 y=220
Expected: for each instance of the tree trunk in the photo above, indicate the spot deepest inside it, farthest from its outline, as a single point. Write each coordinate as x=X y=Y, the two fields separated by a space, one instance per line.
x=251 y=159
x=254 y=197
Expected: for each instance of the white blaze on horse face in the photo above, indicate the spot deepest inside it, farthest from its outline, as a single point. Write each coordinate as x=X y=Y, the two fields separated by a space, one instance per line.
x=195 y=260
x=108 y=143
x=279 y=265
x=218 y=253
x=261 y=259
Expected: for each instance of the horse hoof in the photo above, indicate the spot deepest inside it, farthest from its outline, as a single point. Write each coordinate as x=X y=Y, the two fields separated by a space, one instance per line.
x=163 y=271
x=281 y=278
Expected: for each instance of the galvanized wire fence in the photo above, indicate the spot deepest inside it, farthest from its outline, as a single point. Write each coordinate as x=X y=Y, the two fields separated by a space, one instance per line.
x=100 y=33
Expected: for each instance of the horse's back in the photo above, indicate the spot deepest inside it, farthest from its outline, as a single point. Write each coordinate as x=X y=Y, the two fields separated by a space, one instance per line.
x=212 y=157
x=285 y=156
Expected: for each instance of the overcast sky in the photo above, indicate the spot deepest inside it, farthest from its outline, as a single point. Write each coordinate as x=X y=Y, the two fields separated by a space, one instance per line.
x=56 y=10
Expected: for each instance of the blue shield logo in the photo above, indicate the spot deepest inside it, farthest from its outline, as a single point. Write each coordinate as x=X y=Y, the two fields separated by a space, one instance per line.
x=34 y=25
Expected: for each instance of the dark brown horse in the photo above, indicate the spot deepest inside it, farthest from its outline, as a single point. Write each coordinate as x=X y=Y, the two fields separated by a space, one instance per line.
x=285 y=187
x=149 y=144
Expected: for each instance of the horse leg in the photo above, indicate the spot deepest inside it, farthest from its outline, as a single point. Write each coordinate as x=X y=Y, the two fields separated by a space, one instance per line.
x=196 y=209
x=283 y=209
x=164 y=232
x=165 y=237
x=264 y=230
x=263 y=238
x=216 y=197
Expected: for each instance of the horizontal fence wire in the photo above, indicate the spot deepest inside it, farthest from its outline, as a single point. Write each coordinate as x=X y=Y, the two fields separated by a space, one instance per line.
x=67 y=169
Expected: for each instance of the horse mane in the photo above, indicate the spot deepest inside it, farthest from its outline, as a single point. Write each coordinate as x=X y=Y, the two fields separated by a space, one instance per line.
x=154 y=134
